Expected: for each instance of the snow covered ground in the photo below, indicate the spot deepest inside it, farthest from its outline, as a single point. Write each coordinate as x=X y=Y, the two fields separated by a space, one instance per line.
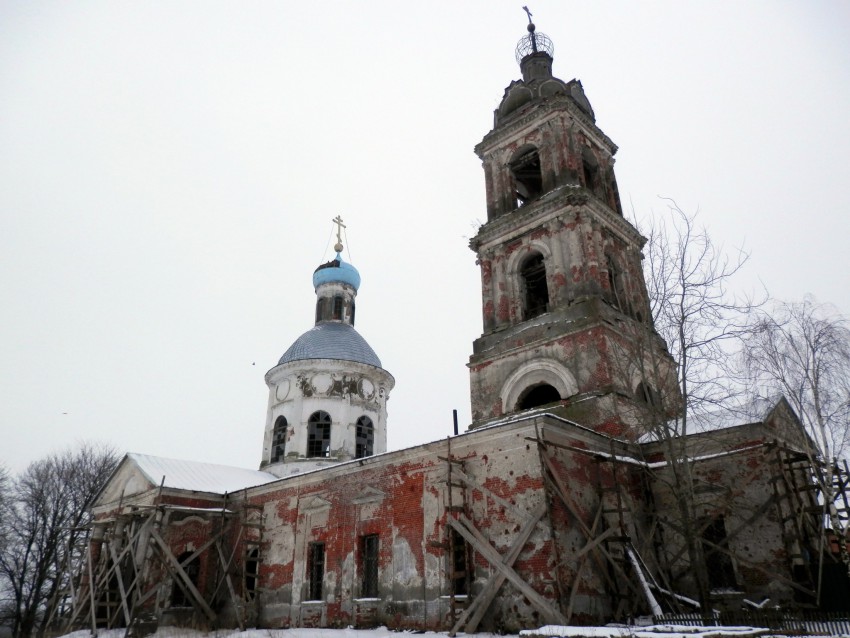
x=179 y=632
x=656 y=631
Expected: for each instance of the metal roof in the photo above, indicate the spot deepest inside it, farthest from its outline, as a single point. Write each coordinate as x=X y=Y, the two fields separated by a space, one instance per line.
x=198 y=477
x=331 y=340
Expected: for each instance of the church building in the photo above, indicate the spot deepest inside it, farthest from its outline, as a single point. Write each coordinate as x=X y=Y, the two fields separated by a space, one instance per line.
x=561 y=503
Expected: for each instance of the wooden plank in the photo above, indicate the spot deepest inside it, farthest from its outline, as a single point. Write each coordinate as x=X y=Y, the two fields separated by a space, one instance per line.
x=591 y=545
x=561 y=491
x=91 y=594
x=229 y=560
x=465 y=528
x=177 y=570
x=582 y=563
x=120 y=579
x=475 y=612
x=240 y=615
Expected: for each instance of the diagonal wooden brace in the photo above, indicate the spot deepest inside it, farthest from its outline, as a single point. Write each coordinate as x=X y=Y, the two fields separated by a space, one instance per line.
x=466 y=529
x=479 y=605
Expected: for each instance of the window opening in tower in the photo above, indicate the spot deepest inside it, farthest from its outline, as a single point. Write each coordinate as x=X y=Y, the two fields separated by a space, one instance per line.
x=533 y=275
x=538 y=395
x=615 y=283
x=528 y=179
x=319 y=434
x=365 y=438
x=590 y=169
x=645 y=393
x=278 y=440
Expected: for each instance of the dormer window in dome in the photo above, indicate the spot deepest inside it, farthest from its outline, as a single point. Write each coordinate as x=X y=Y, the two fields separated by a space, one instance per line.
x=527 y=176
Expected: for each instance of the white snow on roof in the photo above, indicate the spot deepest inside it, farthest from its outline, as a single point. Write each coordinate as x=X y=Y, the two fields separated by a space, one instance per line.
x=198 y=477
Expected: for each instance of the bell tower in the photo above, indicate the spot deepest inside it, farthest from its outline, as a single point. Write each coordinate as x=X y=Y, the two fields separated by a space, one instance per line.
x=566 y=319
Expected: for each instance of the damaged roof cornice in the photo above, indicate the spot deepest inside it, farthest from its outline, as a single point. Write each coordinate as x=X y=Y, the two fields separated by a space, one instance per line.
x=525 y=219
x=542 y=108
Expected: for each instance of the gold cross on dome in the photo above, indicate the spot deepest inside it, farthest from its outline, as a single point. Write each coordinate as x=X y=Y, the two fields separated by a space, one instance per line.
x=339 y=227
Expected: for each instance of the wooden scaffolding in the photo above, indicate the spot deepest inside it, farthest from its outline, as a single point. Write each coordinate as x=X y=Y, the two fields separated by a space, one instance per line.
x=607 y=531
x=811 y=496
x=122 y=573
x=463 y=535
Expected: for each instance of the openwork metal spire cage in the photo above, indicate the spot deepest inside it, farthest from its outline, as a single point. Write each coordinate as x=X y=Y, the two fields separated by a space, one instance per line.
x=533 y=43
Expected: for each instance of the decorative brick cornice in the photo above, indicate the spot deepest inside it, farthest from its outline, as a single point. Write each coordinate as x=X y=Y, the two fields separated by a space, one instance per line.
x=538 y=110
x=554 y=204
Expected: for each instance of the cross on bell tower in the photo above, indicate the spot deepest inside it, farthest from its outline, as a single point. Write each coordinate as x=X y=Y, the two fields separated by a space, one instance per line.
x=564 y=305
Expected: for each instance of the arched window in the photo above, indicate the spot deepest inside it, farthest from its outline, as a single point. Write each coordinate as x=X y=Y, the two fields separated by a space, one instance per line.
x=319 y=434
x=590 y=169
x=321 y=309
x=645 y=393
x=179 y=596
x=535 y=288
x=278 y=440
x=536 y=396
x=615 y=283
x=528 y=179
x=365 y=441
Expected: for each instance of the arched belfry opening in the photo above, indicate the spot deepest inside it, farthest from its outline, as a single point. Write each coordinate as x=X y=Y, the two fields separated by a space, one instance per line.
x=591 y=172
x=535 y=290
x=527 y=176
x=537 y=396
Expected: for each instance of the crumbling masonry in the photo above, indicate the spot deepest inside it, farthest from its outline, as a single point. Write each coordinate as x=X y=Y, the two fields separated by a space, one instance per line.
x=558 y=505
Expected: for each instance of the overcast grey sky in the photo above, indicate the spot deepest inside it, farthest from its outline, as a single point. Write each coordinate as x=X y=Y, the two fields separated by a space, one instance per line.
x=169 y=170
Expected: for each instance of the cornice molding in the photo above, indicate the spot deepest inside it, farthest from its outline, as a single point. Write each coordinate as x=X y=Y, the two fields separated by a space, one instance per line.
x=557 y=204
x=538 y=110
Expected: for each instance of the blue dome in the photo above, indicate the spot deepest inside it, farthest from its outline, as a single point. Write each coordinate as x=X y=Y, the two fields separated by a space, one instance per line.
x=336 y=271
x=331 y=340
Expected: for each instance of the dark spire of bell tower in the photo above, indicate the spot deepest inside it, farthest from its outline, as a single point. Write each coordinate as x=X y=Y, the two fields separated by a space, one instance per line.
x=534 y=53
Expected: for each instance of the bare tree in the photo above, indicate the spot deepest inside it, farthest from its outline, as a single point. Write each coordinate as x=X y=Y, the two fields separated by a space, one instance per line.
x=802 y=351
x=49 y=505
x=5 y=501
x=688 y=280
x=694 y=310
